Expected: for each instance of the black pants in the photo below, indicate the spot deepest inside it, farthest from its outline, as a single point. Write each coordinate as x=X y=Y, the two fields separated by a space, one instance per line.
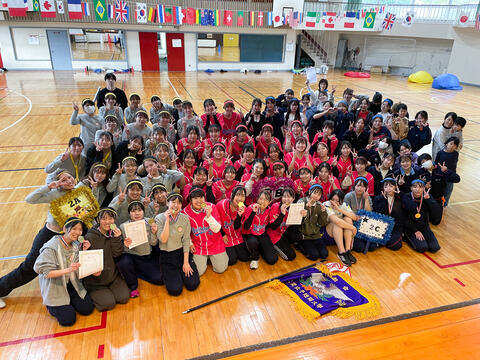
x=261 y=245
x=24 y=273
x=395 y=242
x=284 y=249
x=145 y=267
x=313 y=249
x=66 y=314
x=171 y=263
x=237 y=252
x=429 y=244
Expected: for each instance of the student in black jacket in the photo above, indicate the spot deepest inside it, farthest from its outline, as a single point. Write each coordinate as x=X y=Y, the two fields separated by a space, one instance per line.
x=419 y=209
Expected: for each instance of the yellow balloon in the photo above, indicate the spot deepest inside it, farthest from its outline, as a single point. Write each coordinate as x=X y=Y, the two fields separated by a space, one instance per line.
x=421 y=77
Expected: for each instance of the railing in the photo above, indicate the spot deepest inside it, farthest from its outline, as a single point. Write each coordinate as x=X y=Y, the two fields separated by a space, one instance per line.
x=314 y=43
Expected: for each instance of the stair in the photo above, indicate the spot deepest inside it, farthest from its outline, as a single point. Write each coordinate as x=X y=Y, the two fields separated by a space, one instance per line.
x=313 y=49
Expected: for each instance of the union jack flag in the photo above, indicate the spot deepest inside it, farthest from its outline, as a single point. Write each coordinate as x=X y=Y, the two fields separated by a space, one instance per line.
x=121 y=11
x=388 y=21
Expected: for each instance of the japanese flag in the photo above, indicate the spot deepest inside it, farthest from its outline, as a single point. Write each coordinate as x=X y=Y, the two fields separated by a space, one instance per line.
x=277 y=20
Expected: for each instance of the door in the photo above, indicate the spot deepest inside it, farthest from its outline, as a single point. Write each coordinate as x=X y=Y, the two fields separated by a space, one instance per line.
x=59 y=44
x=149 y=51
x=175 y=52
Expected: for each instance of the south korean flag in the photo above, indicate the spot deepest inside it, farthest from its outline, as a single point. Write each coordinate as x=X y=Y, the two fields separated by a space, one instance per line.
x=141 y=13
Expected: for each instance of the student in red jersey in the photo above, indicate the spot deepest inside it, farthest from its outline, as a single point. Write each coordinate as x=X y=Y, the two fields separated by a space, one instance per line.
x=210 y=117
x=202 y=181
x=255 y=220
x=229 y=119
x=299 y=158
x=231 y=211
x=327 y=180
x=259 y=173
x=291 y=137
x=274 y=154
x=213 y=138
x=190 y=142
x=304 y=182
x=327 y=137
x=345 y=160
x=236 y=144
x=245 y=164
x=277 y=229
x=187 y=168
x=321 y=154
x=223 y=188
x=265 y=140
x=254 y=119
x=216 y=165
x=361 y=171
x=206 y=236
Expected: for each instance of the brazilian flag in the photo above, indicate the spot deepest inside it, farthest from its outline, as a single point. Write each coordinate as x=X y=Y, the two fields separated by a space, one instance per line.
x=36 y=5
x=369 y=20
x=100 y=10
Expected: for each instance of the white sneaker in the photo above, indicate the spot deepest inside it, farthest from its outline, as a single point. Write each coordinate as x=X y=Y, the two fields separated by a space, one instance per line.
x=254 y=264
x=2 y=303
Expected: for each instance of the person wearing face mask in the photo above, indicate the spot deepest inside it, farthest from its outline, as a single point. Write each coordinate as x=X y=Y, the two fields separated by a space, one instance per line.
x=71 y=160
x=436 y=176
x=45 y=194
x=89 y=122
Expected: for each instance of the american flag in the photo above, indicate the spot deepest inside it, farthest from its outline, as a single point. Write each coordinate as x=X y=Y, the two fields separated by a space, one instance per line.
x=388 y=21
x=477 y=18
x=121 y=11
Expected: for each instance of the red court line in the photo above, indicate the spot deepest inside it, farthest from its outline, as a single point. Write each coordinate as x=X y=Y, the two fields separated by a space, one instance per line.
x=33 y=145
x=458 y=281
x=103 y=325
x=451 y=265
x=101 y=351
x=229 y=96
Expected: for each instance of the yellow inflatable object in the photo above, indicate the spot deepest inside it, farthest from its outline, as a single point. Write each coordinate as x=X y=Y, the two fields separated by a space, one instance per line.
x=421 y=77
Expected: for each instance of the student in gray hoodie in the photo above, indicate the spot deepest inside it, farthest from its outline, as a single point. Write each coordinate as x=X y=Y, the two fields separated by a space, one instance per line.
x=57 y=266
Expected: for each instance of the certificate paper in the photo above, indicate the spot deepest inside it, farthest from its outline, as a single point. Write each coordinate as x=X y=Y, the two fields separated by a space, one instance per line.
x=137 y=231
x=91 y=261
x=311 y=73
x=294 y=214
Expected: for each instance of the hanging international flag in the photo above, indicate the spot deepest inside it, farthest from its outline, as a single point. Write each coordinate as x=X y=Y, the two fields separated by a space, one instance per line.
x=160 y=13
x=251 y=18
x=388 y=21
x=382 y=9
x=111 y=11
x=217 y=15
x=141 y=13
x=36 y=5
x=29 y=4
x=295 y=19
x=86 y=9
x=60 y=8
x=349 y=20
x=177 y=15
x=477 y=18
x=198 y=16
x=369 y=20
x=260 y=18
x=168 y=15
x=278 y=20
x=151 y=14
x=17 y=8
x=5 y=4
x=463 y=19
x=47 y=9
x=310 y=19
x=329 y=19
x=288 y=18
x=100 y=8
x=270 y=18
x=408 y=19
x=205 y=17
x=227 y=17
x=240 y=17
x=74 y=8
x=121 y=11
x=190 y=16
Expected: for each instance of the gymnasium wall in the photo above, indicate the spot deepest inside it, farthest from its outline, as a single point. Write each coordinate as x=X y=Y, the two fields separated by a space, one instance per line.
x=464 y=61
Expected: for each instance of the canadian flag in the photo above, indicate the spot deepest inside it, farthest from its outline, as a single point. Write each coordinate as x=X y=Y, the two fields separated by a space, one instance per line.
x=17 y=8
x=47 y=9
x=277 y=20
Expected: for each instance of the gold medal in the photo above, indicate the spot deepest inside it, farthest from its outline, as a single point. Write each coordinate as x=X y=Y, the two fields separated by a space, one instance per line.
x=151 y=221
x=417 y=216
x=81 y=239
x=180 y=229
x=113 y=227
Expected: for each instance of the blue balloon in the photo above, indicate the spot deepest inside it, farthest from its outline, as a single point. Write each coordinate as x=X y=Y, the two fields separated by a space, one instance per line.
x=447 y=82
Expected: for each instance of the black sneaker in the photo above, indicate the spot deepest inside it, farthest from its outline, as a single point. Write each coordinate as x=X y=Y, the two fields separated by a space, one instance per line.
x=350 y=256
x=344 y=259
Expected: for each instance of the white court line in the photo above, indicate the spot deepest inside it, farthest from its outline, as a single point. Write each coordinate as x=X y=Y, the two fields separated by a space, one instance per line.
x=176 y=92
x=464 y=202
x=12 y=202
x=20 y=187
x=24 y=115
x=27 y=151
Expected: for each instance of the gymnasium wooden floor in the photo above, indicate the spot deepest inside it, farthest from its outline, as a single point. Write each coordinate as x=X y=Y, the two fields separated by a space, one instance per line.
x=426 y=316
